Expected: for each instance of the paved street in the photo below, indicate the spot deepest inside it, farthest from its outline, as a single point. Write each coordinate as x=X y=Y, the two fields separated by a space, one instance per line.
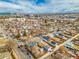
x=57 y=47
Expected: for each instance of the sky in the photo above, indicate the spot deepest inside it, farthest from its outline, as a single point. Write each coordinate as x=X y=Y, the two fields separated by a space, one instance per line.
x=39 y=6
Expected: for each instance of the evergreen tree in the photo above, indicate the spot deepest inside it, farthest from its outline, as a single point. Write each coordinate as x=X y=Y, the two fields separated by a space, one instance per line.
x=18 y=35
x=24 y=33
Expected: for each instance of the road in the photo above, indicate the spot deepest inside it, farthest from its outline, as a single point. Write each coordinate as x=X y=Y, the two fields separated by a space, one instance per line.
x=24 y=52
x=57 y=47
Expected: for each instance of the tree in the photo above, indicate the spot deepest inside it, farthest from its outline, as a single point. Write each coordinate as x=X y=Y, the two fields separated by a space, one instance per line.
x=25 y=34
x=18 y=35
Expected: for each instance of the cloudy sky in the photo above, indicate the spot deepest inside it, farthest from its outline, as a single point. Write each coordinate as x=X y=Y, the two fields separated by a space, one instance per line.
x=39 y=6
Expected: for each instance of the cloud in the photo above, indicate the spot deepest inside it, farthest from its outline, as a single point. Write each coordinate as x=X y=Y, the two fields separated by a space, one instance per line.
x=39 y=6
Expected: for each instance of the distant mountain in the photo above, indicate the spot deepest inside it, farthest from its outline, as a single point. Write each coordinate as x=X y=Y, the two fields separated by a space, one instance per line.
x=20 y=14
x=7 y=14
